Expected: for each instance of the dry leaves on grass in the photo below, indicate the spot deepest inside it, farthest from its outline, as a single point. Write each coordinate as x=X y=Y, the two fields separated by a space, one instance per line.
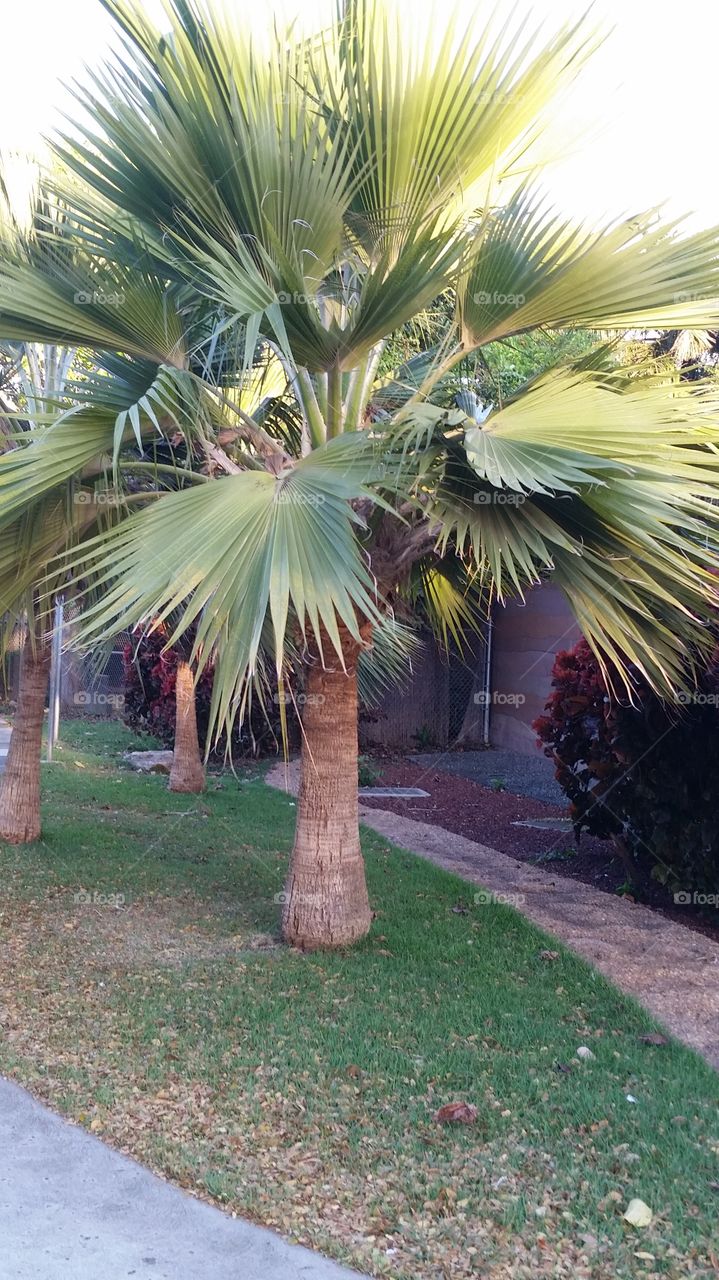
x=456 y=1113
x=313 y=1159
x=637 y=1213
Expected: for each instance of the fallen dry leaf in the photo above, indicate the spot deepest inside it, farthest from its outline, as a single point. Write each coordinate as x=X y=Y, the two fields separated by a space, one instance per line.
x=654 y=1038
x=637 y=1213
x=456 y=1113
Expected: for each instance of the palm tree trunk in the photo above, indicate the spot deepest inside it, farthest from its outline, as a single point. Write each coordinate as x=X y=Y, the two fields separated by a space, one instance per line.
x=20 y=783
x=325 y=899
x=471 y=733
x=187 y=773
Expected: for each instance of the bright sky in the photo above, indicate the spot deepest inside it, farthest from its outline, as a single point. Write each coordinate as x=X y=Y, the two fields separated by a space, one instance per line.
x=651 y=91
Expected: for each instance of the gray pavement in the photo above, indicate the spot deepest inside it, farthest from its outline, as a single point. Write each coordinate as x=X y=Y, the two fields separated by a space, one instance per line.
x=73 y=1209
x=524 y=775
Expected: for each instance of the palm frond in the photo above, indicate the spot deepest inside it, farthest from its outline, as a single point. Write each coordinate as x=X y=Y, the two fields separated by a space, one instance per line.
x=606 y=482
x=235 y=554
x=316 y=189
x=387 y=663
x=453 y=602
x=532 y=267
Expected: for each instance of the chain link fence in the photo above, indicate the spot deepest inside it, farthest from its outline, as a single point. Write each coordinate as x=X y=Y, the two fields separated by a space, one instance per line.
x=90 y=683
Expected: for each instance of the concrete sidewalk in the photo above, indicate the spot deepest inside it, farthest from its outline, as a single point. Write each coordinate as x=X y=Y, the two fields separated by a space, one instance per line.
x=73 y=1209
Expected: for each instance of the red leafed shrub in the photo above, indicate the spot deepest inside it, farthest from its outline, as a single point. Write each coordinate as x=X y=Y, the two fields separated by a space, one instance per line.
x=644 y=771
x=149 y=704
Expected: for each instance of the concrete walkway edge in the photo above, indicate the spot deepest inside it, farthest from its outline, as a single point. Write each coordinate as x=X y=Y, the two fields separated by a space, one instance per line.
x=73 y=1209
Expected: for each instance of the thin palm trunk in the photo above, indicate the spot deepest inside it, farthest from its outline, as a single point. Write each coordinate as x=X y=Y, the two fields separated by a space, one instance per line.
x=471 y=733
x=20 y=783
x=325 y=900
x=187 y=773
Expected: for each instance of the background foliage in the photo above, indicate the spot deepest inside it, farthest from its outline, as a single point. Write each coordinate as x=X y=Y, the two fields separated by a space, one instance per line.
x=644 y=772
x=150 y=675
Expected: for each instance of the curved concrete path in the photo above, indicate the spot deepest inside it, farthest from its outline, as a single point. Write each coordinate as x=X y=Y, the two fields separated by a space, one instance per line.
x=73 y=1209
x=670 y=969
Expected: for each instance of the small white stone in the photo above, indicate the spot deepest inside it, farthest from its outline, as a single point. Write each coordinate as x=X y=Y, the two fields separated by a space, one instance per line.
x=631 y=1098
x=584 y=1052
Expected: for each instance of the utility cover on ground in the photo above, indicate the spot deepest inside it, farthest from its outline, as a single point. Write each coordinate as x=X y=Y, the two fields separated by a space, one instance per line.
x=396 y=793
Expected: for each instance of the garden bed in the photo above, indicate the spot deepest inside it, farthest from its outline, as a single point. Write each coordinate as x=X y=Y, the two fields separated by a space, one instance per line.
x=490 y=817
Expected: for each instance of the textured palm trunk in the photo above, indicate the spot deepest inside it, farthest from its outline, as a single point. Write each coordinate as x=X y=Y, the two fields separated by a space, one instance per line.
x=20 y=782
x=325 y=900
x=187 y=773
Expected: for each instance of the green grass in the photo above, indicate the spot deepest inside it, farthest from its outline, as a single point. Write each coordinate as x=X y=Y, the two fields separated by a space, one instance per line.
x=301 y=1089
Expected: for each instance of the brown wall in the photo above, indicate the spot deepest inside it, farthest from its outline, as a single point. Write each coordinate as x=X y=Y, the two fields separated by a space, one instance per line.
x=526 y=638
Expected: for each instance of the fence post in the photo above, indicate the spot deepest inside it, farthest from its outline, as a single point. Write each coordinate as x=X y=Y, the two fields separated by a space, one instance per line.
x=53 y=719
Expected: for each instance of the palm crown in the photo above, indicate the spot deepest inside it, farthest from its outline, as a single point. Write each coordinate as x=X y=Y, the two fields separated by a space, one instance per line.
x=290 y=209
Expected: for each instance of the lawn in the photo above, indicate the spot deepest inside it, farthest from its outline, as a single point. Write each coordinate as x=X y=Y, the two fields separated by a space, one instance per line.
x=144 y=995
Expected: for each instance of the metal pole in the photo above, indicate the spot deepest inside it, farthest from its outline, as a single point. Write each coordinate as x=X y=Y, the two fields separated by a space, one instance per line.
x=487 y=707
x=53 y=720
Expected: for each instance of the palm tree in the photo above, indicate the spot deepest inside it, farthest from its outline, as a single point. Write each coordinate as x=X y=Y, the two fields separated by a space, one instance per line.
x=39 y=385
x=187 y=773
x=27 y=587
x=694 y=352
x=37 y=375
x=20 y=782
x=319 y=194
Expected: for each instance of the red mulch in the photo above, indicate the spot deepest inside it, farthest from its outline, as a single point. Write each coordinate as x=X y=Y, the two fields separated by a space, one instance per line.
x=482 y=814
